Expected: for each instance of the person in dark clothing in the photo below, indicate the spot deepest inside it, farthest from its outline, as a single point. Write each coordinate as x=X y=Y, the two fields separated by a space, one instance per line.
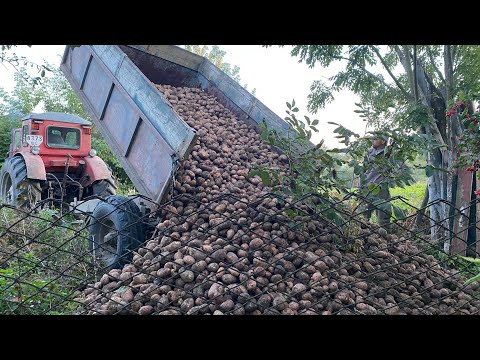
x=376 y=175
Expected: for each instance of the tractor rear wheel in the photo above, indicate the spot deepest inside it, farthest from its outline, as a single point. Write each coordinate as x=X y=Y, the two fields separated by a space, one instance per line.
x=104 y=188
x=15 y=188
x=115 y=230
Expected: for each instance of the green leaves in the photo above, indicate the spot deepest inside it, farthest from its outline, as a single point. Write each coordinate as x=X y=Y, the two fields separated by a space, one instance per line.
x=469 y=259
x=312 y=168
x=430 y=170
x=264 y=175
x=290 y=106
x=398 y=212
x=343 y=133
x=373 y=188
x=473 y=279
x=291 y=213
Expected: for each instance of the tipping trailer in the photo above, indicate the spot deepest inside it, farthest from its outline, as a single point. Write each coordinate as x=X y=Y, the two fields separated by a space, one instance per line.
x=115 y=84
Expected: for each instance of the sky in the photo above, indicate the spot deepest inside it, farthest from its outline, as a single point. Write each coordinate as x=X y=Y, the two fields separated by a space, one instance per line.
x=276 y=75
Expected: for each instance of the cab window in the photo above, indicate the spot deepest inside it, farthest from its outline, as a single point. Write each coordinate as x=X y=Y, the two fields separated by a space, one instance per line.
x=64 y=138
x=24 y=135
x=16 y=140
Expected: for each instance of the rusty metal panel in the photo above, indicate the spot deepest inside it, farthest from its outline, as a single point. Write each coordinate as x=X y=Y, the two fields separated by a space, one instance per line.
x=119 y=114
x=116 y=114
x=173 y=54
x=147 y=98
x=96 y=86
x=96 y=169
x=161 y=71
x=77 y=63
x=151 y=158
x=461 y=221
x=35 y=166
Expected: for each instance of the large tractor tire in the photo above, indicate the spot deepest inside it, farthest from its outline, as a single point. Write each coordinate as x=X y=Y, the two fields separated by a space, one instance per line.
x=115 y=231
x=104 y=187
x=15 y=188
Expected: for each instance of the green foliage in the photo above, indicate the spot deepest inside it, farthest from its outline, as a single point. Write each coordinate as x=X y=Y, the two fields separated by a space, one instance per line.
x=312 y=168
x=7 y=57
x=387 y=91
x=401 y=149
x=57 y=95
x=55 y=92
x=7 y=123
x=475 y=263
x=44 y=261
x=468 y=149
x=105 y=153
x=413 y=194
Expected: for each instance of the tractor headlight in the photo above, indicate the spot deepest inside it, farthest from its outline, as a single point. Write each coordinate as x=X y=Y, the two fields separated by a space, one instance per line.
x=92 y=152
x=35 y=150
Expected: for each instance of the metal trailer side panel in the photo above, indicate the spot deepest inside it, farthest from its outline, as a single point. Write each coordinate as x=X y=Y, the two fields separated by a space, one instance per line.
x=159 y=112
x=129 y=130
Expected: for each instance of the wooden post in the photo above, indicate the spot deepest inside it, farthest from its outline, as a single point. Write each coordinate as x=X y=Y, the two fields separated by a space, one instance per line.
x=461 y=221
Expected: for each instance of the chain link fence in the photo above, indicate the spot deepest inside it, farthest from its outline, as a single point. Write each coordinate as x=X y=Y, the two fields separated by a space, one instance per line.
x=230 y=256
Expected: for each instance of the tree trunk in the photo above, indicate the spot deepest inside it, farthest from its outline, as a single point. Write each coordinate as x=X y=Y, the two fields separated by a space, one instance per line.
x=436 y=191
x=421 y=212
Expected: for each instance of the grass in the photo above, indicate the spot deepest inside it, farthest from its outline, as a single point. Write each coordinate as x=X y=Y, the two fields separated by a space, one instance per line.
x=413 y=194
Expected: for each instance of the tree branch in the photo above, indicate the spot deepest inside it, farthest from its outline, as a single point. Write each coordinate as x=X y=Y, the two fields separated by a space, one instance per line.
x=434 y=129
x=366 y=71
x=432 y=61
x=382 y=60
x=421 y=211
x=407 y=56
x=454 y=52
x=448 y=70
x=406 y=66
x=434 y=88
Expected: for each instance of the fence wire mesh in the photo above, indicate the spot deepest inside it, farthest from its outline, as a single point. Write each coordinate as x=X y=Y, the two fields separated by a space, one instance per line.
x=230 y=256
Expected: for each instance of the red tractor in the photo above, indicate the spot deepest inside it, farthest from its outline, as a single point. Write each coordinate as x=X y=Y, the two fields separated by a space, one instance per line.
x=50 y=157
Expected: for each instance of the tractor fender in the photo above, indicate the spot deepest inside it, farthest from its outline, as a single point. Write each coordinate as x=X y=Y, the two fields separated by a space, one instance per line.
x=35 y=166
x=96 y=169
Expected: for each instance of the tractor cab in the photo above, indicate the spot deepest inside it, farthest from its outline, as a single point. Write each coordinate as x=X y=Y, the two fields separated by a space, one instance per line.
x=52 y=153
x=53 y=136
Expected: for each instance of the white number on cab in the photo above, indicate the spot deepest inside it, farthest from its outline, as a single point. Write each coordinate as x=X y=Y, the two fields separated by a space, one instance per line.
x=34 y=140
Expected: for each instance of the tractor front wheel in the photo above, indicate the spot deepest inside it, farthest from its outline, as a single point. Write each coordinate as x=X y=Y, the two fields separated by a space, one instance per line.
x=15 y=188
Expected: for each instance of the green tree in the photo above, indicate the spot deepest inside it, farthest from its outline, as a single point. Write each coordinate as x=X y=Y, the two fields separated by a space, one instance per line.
x=7 y=123
x=7 y=56
x=410 y=87
x=216 y=55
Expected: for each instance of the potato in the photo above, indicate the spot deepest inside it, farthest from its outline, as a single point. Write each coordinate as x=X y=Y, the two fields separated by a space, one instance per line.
x=145 y=310
x=225 y=248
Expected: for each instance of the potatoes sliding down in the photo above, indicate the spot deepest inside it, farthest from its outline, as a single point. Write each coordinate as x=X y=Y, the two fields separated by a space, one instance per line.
x=241 y=256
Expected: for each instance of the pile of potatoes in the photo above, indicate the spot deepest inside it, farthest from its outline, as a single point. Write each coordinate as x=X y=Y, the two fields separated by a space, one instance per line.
x=226 y=246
